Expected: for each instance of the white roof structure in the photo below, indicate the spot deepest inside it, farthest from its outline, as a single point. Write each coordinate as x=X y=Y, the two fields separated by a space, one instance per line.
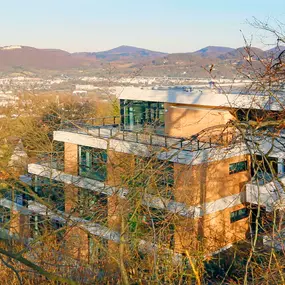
x=210 y=97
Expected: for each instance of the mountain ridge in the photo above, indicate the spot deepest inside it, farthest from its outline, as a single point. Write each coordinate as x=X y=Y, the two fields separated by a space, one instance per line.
x=126 y=58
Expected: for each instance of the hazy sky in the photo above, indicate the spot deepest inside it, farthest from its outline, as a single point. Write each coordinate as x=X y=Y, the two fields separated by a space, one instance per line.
x=163 y=25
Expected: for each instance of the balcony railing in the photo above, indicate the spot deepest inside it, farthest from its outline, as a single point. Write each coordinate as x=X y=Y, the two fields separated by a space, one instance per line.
x=113 y=121
x=109 y=127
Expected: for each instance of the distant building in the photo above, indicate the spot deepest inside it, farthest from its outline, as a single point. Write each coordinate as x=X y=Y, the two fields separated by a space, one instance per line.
x=80 y=92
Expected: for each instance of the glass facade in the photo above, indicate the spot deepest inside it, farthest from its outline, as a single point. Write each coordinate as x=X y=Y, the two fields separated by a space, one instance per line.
x=269 y=165
x=264 y=168
x=92 y=163
x=92 y=206
x=50 y=190
x=97 y=249
x=40 y=225
x=155 y=175
x=137 y=115
x=148 y=220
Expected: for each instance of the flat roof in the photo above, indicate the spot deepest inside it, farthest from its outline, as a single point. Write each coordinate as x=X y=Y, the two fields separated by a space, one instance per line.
x=201 y=97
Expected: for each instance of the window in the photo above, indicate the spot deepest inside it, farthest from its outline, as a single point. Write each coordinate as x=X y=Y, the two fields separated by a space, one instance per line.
x=166 y=174
x=147 y=221
x=50 y=190
x=57 y=155
x=92 y=206
x=97 y=249
x=156 y=175
x=239 y=215
x=40 y=225
x=5 y=217
x=15 y=192
x=266 y=164
x=139 y=114
x=238 y=167
x=92 y=163
x=37 y=225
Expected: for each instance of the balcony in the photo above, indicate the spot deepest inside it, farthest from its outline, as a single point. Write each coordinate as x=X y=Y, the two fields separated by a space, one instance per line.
x=269 y=194
x=52 y=161
x=110 y=128
x=100 y=187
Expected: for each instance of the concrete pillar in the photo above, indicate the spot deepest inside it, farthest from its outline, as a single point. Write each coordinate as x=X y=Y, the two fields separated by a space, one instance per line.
x=120 y=168
x=71 y=197
x=77 y=243
x=71 y=158
x=15 y=225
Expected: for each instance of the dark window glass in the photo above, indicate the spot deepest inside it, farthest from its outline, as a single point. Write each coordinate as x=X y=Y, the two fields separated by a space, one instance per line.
x=92 y=206
x=266 y=164
x=264 y=168
x=41 y=225
x=51 y=191
x=238 y=167
x=15 y=192
x=92 y=163
x=147 y=221
x=239 y=215
x=37 y=225
x=5 y=217
x=136 y=115
x=58 y=155
x=97 y=249
x=156 y=175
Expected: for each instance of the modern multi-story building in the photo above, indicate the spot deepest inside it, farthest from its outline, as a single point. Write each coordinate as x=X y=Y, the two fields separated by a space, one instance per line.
x=171 y=166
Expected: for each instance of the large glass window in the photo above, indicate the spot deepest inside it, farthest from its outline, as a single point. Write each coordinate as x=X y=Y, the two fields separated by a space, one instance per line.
x=97 y=249
x=148 y=221
x=155 y=175
x=41 y=225
x=92 y=206
x=136 y=115
x=92 y=163
x=50 y=190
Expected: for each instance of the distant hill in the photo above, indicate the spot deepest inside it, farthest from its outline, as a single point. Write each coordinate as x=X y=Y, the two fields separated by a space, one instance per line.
x=240 y=53
x=275 y=51
x=24 y=57
x=124 y=53
x=212 y=51
x=223 y=61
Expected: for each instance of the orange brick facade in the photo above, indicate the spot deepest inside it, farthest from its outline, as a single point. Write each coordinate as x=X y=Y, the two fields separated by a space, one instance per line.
x=186 y=120
x=194 y=185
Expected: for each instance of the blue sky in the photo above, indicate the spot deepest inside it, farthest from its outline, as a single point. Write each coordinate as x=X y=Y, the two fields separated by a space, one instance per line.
x=169 y=25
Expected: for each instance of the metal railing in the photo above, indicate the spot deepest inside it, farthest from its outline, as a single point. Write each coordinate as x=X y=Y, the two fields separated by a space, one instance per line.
x=105 y=121
x=110 y=127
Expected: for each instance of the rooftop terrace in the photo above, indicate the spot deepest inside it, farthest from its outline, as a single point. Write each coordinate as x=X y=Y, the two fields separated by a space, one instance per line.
x=110 y=128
